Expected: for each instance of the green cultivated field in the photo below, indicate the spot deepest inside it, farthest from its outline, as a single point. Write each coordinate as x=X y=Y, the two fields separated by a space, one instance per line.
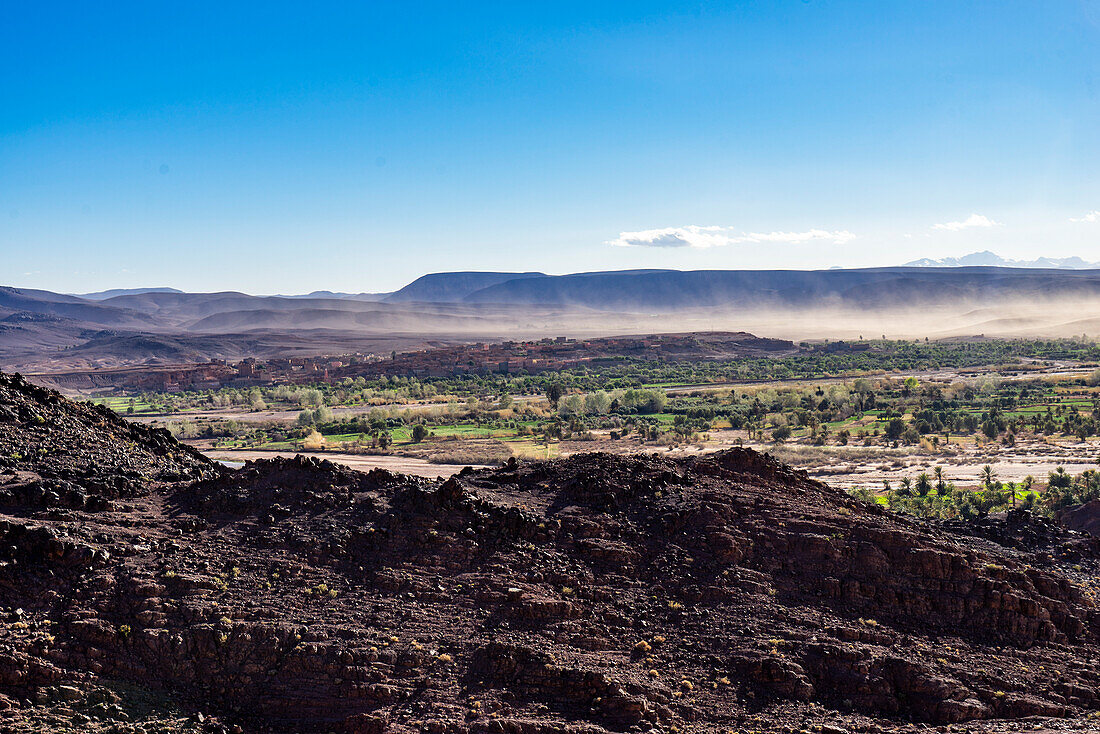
x=963 y=394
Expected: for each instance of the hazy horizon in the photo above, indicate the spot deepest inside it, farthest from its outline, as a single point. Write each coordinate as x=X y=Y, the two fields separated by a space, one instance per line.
x=946 y=263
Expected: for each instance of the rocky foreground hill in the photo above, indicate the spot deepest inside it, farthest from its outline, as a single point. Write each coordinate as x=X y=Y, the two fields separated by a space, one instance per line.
x=143 y=588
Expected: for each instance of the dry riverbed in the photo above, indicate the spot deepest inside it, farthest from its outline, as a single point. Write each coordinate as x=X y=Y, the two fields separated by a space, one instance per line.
x=844 y=467
x=847 y=467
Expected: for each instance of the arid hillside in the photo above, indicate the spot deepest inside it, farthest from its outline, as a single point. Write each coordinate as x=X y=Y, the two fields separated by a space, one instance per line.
x=143 y=588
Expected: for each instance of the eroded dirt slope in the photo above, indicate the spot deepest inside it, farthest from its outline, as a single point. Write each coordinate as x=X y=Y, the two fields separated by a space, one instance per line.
x=598 y=593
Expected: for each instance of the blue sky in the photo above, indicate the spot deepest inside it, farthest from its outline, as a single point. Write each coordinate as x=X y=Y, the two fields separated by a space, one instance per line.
x=274 y=147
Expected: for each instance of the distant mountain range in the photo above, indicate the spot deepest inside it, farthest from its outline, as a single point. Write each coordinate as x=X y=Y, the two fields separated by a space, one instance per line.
x=333 y=294
x=451 y=287
x=40 y=328
x=633 y=291
x=992 y=259
x=104 y=295
x=536 y=287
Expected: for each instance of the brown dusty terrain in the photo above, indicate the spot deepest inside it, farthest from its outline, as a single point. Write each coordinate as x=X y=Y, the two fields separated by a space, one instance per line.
x=144 y=588
x=360 y=462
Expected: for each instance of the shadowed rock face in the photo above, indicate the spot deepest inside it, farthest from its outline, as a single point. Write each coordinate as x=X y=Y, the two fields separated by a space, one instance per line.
x=598 y=593
x=57 y=453
x=1085 y=518
x=42 y=431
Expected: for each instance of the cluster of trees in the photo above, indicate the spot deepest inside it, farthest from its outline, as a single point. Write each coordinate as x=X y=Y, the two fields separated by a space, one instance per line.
x=994 y=423
x=883 y=356
x=935 y=497
x=905 y=412
x=587 y=398
x=348 y=391
x=252 y=434
x=1064 y=490
x=323 y=414
x=624 y=374
x=376 y=428
x=600 y=402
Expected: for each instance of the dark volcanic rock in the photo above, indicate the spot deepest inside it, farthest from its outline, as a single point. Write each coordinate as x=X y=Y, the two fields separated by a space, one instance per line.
x=597 y=593
x=58 y=453
x=1084 y=518
x=284 y=486
x=1025 y=531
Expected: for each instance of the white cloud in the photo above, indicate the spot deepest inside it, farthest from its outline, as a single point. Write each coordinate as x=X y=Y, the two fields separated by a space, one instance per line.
x=974 y=220
x=689 y=236
x=1091 y=218
x=704 y=237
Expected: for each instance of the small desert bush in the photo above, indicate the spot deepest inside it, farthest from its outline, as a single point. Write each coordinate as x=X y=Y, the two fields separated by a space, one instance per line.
x=314 y=441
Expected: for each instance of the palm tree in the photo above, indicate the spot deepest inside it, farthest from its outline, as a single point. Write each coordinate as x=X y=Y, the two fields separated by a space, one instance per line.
x=941 y=485
x=987 y=476
x=906 y=488
x=923 y=485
